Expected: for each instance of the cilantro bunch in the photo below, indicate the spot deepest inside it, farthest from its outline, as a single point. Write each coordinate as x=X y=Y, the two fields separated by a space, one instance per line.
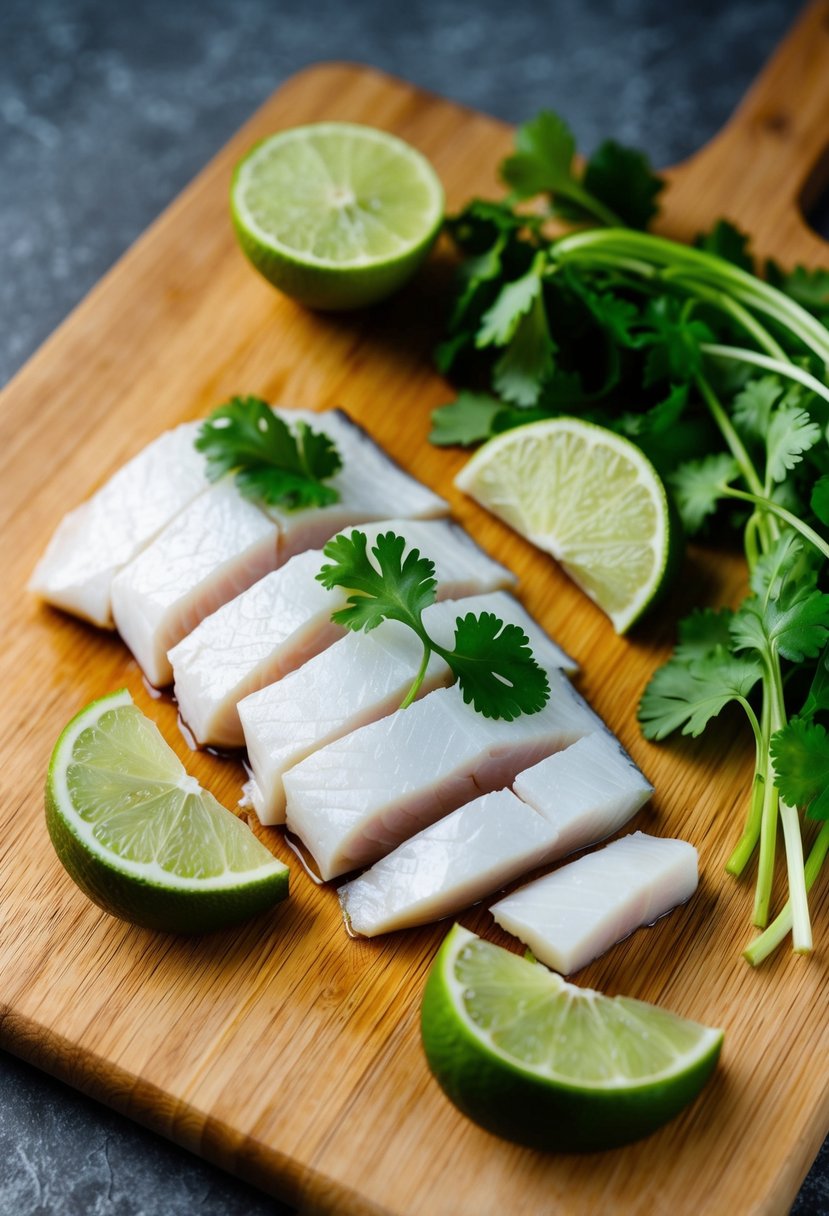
x=720 y=376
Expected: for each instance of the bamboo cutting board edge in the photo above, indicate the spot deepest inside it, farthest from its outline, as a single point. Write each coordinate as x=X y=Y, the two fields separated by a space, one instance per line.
x=196 y=1124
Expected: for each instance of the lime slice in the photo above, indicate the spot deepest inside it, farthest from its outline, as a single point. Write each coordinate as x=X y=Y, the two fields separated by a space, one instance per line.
x=141 y=838
x=539 y=1061
x=591 y=499
x=334 y=214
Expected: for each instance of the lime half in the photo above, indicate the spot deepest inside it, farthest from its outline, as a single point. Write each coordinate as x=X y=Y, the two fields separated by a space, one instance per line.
x=591 y=499
x=539 y=1061
x=141 y=838
x=334 y=214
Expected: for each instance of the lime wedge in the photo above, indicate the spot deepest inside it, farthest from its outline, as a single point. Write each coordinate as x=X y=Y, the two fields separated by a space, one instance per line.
x=591 y=499
x=334 y=214
x=141 y=838
x=539 y=1061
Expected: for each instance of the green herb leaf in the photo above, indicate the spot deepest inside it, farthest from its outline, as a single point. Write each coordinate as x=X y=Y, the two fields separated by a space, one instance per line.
x=800 y=753
x=543 y=160
x=706 y=630
x=465 y=421
x=727 y=241
x=493 y=662
x=689 y=694
x=698 y=486
x=272 y=465
x=796 y=625
x=623 y=180
x=819 y=501
x=512 y=303
x=528 y=362
x=495 y=667
x=791 y=433
x=754 y=403
x=396 y=588
x=674 y=340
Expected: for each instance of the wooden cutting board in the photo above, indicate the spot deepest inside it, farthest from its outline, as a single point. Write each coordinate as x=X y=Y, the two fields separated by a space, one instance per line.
x=286 y=1051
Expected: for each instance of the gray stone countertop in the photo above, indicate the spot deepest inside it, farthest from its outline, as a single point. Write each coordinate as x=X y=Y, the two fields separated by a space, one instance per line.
x=107 y=109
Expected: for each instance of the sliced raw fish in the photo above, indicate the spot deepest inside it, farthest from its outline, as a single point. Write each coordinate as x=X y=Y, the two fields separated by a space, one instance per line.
x=469 y=853
x=370 y=484
x=357 y=798
x=95 y=540
x=588 y=791
x=573 y=915
x=283 y=621
x=214 y=549
x=287 y=720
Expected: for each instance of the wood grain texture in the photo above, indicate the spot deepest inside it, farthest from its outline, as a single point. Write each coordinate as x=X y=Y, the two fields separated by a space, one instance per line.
x=286 y=1051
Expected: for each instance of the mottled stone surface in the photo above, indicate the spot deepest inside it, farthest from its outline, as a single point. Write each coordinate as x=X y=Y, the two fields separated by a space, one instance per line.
x=107 y=109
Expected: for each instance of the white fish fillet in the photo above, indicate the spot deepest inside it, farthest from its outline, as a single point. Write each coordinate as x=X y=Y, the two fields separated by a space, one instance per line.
x=370 y=484
x=95 y=540
x=588 y=791
x=469 y=853
x=214 y=549
x=357 y=798
x=573 y=915
x=287 y=720
x=283 y=621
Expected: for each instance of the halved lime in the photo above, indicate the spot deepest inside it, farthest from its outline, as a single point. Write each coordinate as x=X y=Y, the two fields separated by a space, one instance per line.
x=537 y=1060
x=335 y=214
x=141 y=838
x=591 y=499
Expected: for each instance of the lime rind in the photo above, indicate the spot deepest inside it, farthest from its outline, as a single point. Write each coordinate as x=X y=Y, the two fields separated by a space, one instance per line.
x=336 y=215
x=489 y=1046
x=141 y=838
x=590 y=498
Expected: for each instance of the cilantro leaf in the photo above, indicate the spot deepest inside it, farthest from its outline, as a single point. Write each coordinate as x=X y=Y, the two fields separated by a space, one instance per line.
x=467 y=420
x=795 y=625
x=728 y=242
x=791 y=433
x=689 y=694
x=623 y=180
x=817 y=700
x=513 y=301
x=819 y=501
x=800 y=753
x=396 y=588
x=544 y=157
x=272 y=464
x=698 y=485
x=493 y=663
x=754 y=403
x=702 y=632
x=659 y=418
x=520 y=373
x=674 y=340
x=496 y=671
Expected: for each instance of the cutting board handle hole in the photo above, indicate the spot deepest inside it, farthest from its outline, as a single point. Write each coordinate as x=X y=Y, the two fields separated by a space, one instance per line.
x=814 y=196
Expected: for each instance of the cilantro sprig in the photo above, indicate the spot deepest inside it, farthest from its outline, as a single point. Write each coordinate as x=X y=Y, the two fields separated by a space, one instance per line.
x=273 y=464
x=492 y=661
x=717 y=367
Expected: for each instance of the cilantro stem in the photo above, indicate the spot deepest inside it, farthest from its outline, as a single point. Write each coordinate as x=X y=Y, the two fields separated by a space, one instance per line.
x=739 y=859
x=798 y=900
x=767 y=942
x=711 y=270
x=729 y=434
x=782 y=367
x=774 y=508
x=419 y=678
x=765 y=865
